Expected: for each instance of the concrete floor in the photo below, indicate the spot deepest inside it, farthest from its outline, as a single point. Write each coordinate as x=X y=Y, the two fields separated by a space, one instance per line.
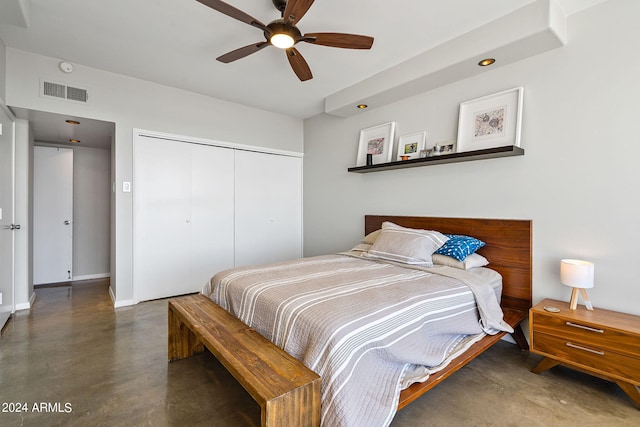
x=93 y=365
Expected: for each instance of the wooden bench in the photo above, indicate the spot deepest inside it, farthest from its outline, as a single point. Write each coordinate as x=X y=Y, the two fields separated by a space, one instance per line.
x=287 y=391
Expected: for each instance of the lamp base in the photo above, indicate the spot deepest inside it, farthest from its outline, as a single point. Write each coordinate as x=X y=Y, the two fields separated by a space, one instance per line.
x=573 y=304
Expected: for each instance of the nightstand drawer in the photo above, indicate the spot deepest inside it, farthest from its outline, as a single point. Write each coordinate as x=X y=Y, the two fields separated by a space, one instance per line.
x=589 y=356
x=586 y=332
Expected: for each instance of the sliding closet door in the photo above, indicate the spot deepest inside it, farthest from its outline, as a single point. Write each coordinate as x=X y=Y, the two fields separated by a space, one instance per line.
x=211 y=212
x=268 y=208
x=183 y=216
x=161 y=229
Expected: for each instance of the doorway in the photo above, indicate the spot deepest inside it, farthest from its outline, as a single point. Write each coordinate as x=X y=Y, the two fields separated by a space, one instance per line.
x=90 y=222
x=52 y=215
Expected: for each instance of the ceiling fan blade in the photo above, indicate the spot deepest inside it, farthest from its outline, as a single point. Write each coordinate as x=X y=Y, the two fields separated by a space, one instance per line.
x=231 y=11
x=242 y=52
x=345 y=41
x=299 y=65
x=295 y=10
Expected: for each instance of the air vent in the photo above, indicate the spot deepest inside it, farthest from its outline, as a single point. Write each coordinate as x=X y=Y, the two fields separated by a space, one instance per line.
x=55 y=90
x=51 y=89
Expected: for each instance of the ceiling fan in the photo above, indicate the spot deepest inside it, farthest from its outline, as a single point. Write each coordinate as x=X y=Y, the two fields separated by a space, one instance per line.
x=284 y=34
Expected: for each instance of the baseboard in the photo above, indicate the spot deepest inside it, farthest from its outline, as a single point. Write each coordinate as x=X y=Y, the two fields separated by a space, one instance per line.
x=27 y=305
x=91 y=276
x=117 y=304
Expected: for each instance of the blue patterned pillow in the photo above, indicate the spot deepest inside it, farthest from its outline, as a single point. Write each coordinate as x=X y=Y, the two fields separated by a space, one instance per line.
x=460 y=247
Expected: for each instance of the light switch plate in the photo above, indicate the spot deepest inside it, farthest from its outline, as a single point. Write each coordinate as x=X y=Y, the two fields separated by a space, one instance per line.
x=126 y=187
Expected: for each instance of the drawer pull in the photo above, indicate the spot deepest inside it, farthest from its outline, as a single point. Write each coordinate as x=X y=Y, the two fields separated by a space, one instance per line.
x=575 y=325
x=590 y=350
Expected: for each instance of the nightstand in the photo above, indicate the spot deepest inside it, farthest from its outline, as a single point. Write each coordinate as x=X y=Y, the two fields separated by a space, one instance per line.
x=600 y=342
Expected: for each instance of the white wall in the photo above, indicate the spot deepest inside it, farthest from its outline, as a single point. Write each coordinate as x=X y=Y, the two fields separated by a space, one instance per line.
x=3 y=70
x=131 y=103
x=24 y=216
x=576 y=181
x=91 y=212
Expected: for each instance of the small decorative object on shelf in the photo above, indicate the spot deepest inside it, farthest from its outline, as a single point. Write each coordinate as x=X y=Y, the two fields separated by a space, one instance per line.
x=369 y=159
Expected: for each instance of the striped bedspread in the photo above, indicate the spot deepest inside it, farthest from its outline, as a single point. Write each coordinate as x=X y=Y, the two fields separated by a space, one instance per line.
x=369 y=328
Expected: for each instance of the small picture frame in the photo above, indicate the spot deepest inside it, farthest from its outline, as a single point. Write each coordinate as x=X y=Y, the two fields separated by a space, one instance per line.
x=443 y=148
x=410 y=146
x=377 y=141
x=490 y=121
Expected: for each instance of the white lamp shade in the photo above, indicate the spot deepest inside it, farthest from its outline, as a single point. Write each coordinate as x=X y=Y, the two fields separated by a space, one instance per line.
x=576 y=273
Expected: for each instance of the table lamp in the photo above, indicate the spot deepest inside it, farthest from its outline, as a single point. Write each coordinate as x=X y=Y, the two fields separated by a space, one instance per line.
x=579 y=275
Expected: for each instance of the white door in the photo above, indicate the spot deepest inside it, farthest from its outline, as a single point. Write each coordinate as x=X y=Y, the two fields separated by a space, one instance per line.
x=7 y=227
x=268 y=208
x=212 y=220
x=183 y=226
x=52 y=215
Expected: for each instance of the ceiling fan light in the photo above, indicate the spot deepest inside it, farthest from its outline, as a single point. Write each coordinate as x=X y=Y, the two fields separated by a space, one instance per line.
x=282 y=41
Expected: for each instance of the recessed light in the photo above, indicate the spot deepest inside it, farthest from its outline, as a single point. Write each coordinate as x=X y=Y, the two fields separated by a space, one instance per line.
x=74 y=141
x=487 y=61
x=362 y=106
x=72 y=122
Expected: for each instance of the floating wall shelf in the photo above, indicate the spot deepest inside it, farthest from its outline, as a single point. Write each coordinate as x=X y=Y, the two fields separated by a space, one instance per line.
x=489 y=153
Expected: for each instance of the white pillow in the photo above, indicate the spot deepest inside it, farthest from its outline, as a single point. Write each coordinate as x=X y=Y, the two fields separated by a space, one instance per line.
x=361 y=247
x=406 y=245
x=472 y=261
x=371 y=237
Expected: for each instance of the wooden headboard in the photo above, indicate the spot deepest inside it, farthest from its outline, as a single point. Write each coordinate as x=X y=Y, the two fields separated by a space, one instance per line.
x=508 y=248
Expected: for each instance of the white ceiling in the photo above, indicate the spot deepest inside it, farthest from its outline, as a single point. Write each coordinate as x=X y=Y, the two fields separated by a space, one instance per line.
x=175 y=42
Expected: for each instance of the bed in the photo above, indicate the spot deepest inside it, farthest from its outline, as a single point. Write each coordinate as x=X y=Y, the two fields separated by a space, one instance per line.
x=379 y=353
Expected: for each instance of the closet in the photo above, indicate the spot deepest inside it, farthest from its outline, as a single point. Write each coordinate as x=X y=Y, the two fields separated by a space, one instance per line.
x=268 y=208
x=201 y=208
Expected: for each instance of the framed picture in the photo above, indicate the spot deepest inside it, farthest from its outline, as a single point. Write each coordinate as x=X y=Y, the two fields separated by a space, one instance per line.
x=409 y=146
x=490 y=121
x=377 y=141
x=444 y=147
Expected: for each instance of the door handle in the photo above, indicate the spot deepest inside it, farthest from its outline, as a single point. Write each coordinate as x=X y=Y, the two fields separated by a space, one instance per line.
x=67 y=222
x=12 y=227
